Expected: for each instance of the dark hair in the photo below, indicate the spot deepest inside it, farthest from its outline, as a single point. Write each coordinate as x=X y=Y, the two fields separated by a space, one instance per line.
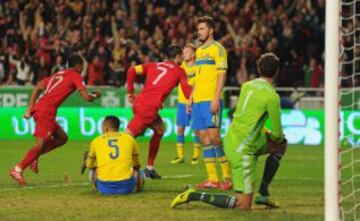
x=208 y=20
x=173 y=51
x=268 y=65
x=113 y=121
x=74 y=60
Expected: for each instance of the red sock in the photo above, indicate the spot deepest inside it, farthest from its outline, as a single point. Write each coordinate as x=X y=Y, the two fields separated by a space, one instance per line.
x=52 y=144
x=30 y=156
x=154 y=147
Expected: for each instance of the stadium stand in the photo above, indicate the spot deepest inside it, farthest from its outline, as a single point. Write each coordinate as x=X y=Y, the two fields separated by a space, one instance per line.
x=36 y=36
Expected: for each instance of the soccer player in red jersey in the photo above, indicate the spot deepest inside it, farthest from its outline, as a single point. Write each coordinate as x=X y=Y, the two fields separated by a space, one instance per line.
x=49 y=135
x=161 y=79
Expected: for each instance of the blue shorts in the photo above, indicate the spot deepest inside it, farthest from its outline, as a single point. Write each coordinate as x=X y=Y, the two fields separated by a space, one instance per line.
x=182 y=119
x=202 y=118
x=116 y=187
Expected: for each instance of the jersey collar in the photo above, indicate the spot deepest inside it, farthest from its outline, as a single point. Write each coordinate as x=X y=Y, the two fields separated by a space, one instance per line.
x=204 y=47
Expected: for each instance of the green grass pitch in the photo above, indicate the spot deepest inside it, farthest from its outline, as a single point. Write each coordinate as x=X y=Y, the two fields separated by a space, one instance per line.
x=298 y=186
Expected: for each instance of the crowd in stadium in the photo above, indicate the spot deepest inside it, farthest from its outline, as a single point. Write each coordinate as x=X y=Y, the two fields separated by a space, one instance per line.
x=36 y=36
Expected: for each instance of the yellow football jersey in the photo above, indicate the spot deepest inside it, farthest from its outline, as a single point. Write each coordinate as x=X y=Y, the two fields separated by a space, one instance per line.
x=190 y=74
x=113 y=154
x=210 y=60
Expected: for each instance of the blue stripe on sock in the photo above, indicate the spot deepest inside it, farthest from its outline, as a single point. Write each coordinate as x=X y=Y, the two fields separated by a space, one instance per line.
x=180 y=139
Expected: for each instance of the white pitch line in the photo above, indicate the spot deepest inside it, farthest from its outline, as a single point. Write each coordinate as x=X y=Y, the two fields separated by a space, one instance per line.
x=164 y=177
x=44 y=186
x=298 y=178
x=77 y=184
x=177 y=176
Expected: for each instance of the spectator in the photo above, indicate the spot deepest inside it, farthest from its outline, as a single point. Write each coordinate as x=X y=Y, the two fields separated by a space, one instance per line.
x=316 y=73
x=96 y=72
x=44 y=69
x=2 y=65
x=22 y=70
x=139 y=31
x=116 y=73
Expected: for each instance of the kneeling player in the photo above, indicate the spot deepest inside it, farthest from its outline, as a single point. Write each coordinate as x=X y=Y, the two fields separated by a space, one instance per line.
x=246 y=141
x=114 y=160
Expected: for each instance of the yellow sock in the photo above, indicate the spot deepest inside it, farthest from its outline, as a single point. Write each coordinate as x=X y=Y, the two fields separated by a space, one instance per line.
x=225 y=168
x=180 y=150
x=211 y=170
x=197 y=150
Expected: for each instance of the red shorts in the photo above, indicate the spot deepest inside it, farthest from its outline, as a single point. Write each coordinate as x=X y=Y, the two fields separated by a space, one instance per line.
x=143 y=117
x=45 y=125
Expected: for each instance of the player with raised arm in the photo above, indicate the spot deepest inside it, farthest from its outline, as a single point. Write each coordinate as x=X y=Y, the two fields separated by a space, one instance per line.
x=161 y=78
x=113 y=160
x=211 y=65
x=247 y=139
x=183 y=118
x=49 y=135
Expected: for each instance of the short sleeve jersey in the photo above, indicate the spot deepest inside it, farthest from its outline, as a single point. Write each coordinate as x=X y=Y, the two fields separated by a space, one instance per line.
x=210 y=61
x=57 y=88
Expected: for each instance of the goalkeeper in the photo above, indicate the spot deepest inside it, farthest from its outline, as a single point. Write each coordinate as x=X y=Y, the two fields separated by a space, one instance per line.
x=246 y=140
x=113 y=160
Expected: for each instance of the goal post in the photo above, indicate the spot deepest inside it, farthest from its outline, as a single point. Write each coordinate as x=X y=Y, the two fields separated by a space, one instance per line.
x=331 y=172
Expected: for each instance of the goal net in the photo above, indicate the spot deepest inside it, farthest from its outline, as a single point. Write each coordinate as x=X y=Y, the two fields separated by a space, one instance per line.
x=349 y=107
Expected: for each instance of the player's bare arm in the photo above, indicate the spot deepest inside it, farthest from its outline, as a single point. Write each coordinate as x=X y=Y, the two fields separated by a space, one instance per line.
x=34 y=96
x=187 y=89
x=89 y=97
x=131 y=74
x=190 y=100
x=215 y=103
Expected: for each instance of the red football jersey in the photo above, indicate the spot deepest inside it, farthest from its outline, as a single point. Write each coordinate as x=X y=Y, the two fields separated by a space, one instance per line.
x=57 y=88
x=161 y=79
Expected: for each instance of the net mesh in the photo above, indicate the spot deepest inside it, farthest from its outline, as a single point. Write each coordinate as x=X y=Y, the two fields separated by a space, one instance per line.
x=349 y=107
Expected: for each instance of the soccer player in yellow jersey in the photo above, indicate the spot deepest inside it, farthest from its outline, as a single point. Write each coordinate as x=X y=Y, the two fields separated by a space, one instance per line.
x=211 y=65
x=182 y=116
x=114 y=156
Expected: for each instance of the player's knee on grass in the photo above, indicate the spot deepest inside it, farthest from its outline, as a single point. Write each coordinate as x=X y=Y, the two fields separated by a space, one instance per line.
x=244 y=201
x=278 y=149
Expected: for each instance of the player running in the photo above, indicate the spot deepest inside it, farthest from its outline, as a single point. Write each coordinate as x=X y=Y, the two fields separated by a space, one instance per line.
x=246 y=140
x=49 y=135
x=211 y=65
x=161 y=78
x=114 y=160
x=182 y=117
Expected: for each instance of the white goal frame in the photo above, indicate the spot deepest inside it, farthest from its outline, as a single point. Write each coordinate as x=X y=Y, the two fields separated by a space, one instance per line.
x=331 y=150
